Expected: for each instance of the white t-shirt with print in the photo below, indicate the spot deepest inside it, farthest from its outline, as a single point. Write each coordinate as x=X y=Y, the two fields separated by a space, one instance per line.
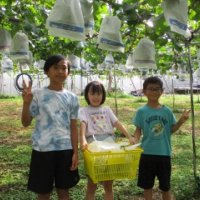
x=99 y=120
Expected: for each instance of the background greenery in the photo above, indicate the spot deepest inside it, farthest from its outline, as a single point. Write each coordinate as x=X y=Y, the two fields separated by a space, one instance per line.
x=15 y=149
x=30 y=17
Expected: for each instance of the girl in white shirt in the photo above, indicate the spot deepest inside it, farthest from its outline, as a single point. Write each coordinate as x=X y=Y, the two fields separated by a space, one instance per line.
x=98 y=122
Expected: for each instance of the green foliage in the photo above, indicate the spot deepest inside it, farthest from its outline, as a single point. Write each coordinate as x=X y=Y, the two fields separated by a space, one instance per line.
x=6 y=97
x=118 y=94
x=30 y=17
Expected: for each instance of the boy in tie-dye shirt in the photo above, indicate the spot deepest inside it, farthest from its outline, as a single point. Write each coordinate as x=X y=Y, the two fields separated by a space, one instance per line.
x=54 y=160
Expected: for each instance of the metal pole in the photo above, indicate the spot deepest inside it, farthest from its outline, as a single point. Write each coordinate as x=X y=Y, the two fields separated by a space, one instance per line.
x=192 y=111
x=173 y=93
x=116 y=106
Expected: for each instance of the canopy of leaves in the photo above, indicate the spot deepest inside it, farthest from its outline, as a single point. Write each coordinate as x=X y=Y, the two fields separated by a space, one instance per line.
x=30 y=17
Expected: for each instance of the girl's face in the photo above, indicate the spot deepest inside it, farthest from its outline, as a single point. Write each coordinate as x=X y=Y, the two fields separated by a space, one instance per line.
x=95 y=99
x=58 y=73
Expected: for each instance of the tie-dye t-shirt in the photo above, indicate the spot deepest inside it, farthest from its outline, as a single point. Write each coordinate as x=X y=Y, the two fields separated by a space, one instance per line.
x=156 y=125
x=99 y=120
x=53 y=111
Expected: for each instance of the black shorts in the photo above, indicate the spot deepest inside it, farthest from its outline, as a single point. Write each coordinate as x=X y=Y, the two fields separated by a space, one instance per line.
x=152 y=166
x=49 y=169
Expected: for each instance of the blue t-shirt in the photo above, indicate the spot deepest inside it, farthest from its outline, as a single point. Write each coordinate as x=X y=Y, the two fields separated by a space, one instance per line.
x=53 y=111
x=156 y=125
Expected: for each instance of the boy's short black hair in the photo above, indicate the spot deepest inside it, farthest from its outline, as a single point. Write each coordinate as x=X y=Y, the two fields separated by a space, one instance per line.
x=95 y=87
x=54 y=60
x=152 y=80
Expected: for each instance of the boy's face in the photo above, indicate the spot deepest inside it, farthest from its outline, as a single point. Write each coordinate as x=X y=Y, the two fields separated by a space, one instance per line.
x=59 y=72
x=153 y=92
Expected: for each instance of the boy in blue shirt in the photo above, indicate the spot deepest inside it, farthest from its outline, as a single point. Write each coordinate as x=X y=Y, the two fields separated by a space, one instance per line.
x=156 y=123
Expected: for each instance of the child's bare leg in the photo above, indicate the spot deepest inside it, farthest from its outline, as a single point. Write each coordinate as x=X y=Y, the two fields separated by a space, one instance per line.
x=148 y=194
x=166 y=195
x=44 y=196
x=62 y=194
x=108 y=188
x=91 y=189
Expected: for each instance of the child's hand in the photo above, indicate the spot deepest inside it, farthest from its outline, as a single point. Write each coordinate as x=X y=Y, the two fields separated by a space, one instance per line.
x=132 y=140
x=184 y=116
x=27 y=93
x=74 y=165
x=84 y=145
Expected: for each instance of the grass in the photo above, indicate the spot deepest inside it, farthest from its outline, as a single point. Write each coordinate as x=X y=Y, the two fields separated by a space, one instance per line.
x=15 y=150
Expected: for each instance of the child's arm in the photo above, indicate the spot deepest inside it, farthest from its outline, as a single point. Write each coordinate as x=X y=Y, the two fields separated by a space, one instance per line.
x=121 y=128
x=27 y=96
x=183 y=118
x=137 y=135
x=83 y=141
x=74 y=139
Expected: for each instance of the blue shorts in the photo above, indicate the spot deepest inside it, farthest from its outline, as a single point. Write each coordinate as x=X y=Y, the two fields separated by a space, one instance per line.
x=51 y=169
x=152 y=166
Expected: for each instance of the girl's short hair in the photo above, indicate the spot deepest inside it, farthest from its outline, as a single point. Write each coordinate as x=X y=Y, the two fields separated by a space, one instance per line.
x=95 y=87
x=54 y=60
x=152 y=80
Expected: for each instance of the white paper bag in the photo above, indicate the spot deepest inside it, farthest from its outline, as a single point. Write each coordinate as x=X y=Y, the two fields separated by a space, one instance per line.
x=6 y=64
x=28 y=60
x=66 y=20
x=20 y=46
x=144 y=54
x=109 y=36
x=130 y=61
x=5 y=40
x=176 y=15
x=75 y=62
x=87 y=10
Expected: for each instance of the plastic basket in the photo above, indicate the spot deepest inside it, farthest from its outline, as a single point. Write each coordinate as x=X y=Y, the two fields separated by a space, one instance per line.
x=102 y=166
